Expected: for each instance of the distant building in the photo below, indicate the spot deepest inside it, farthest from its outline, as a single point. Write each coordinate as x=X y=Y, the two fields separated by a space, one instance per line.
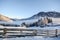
x=56 y=20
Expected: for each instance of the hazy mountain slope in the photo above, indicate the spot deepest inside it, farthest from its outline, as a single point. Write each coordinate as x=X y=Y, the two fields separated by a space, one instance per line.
x=47 y=14
x=42 y=14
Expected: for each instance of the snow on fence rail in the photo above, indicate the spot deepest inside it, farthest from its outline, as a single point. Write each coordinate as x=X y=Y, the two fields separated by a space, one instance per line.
x=28 y=32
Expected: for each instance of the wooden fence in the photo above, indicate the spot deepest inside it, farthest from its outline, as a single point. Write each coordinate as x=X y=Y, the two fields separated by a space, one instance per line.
x=28 y=32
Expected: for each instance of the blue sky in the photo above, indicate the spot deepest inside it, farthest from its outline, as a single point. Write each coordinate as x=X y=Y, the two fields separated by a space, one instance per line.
x=27 y=8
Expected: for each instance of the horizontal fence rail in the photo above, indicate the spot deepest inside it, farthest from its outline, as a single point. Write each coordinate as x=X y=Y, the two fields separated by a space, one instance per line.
x=6 y=32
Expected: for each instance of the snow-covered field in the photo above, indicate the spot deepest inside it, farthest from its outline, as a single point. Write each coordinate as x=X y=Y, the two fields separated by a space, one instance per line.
x=35 y=37
x=31 y=38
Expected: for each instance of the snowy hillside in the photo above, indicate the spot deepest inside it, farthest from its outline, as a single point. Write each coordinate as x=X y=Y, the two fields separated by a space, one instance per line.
x=55 y=16
x=36 y=19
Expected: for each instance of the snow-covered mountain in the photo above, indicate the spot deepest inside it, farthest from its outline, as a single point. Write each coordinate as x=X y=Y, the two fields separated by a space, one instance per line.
x=43 y=14
x=46 y=14
x=37 y=16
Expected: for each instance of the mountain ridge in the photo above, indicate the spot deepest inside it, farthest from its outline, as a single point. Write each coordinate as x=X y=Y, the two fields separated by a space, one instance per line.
x=43 y=14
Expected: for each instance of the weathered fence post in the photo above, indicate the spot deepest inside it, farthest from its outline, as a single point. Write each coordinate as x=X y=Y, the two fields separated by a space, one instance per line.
x=35 y=32
x=4 y=31
x=56 y=33
x=47 y=33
